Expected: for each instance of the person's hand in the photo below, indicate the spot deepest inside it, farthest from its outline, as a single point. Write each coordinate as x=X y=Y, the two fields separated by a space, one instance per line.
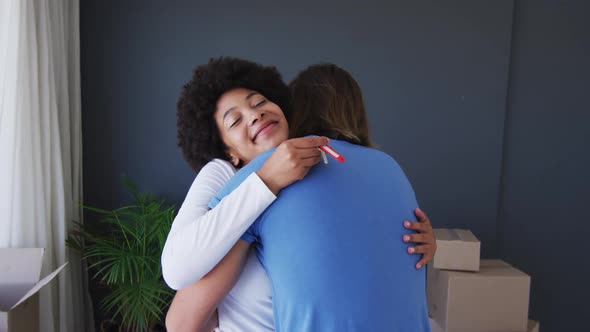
x=424 y=238
x=291 y=161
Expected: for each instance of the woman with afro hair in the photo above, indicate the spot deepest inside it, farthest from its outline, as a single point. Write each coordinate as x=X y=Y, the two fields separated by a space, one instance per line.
x=222 y=95
x=197 y=231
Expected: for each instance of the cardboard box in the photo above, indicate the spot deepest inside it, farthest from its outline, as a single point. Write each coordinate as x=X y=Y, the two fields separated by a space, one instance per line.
x=494 y=299
x=434 y=327
x=533 y=326
x=457 y=249
x=20 y=269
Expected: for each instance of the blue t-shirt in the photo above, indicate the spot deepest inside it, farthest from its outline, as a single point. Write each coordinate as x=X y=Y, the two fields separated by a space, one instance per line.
x=331 y=245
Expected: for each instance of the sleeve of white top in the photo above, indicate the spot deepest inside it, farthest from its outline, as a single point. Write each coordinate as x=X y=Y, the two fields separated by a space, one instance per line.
x=199 y=237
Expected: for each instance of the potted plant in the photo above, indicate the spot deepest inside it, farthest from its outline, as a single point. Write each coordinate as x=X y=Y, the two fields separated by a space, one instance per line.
x=122 y=249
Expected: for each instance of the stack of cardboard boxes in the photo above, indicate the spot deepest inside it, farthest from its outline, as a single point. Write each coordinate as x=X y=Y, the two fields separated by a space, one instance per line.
x=466 y=294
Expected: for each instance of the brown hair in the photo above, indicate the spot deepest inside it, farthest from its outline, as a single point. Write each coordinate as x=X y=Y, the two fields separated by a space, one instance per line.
x=326 y=100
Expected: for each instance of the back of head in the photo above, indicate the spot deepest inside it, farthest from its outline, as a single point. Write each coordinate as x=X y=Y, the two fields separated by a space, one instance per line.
x=197 y=132
x=326 y=100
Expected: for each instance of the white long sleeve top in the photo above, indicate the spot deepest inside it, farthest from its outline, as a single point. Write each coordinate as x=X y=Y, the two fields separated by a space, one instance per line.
x=200 y=238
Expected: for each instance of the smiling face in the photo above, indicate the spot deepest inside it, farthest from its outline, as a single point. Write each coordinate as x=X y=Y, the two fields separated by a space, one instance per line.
x=249 y=124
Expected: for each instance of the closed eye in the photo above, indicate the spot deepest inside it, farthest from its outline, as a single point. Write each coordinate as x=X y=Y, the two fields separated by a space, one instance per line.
x=262 y=102
x=235 y=122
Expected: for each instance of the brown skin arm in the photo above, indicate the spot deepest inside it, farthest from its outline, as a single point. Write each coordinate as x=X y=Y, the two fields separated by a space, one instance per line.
x=194 y=307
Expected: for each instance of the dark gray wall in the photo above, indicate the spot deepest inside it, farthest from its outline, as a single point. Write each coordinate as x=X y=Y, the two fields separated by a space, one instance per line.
x=434 y=77
x=545 y=188
x=439 y=94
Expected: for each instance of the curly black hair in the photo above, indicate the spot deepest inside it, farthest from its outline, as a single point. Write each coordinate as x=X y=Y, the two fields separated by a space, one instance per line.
x=197 y=132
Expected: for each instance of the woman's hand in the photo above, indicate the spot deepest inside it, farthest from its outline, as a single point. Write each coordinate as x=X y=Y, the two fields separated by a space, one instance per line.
x=425 y=240
x=290 y=162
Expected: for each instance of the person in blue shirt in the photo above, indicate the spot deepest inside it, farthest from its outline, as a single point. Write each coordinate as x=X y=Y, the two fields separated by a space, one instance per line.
x=326 y=243
x=330 y=242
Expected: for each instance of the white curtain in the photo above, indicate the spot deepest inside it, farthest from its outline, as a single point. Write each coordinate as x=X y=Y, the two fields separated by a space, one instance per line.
x=40 y=147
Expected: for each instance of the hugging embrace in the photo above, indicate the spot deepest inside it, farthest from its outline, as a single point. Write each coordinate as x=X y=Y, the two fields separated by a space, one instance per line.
x=270 y=237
